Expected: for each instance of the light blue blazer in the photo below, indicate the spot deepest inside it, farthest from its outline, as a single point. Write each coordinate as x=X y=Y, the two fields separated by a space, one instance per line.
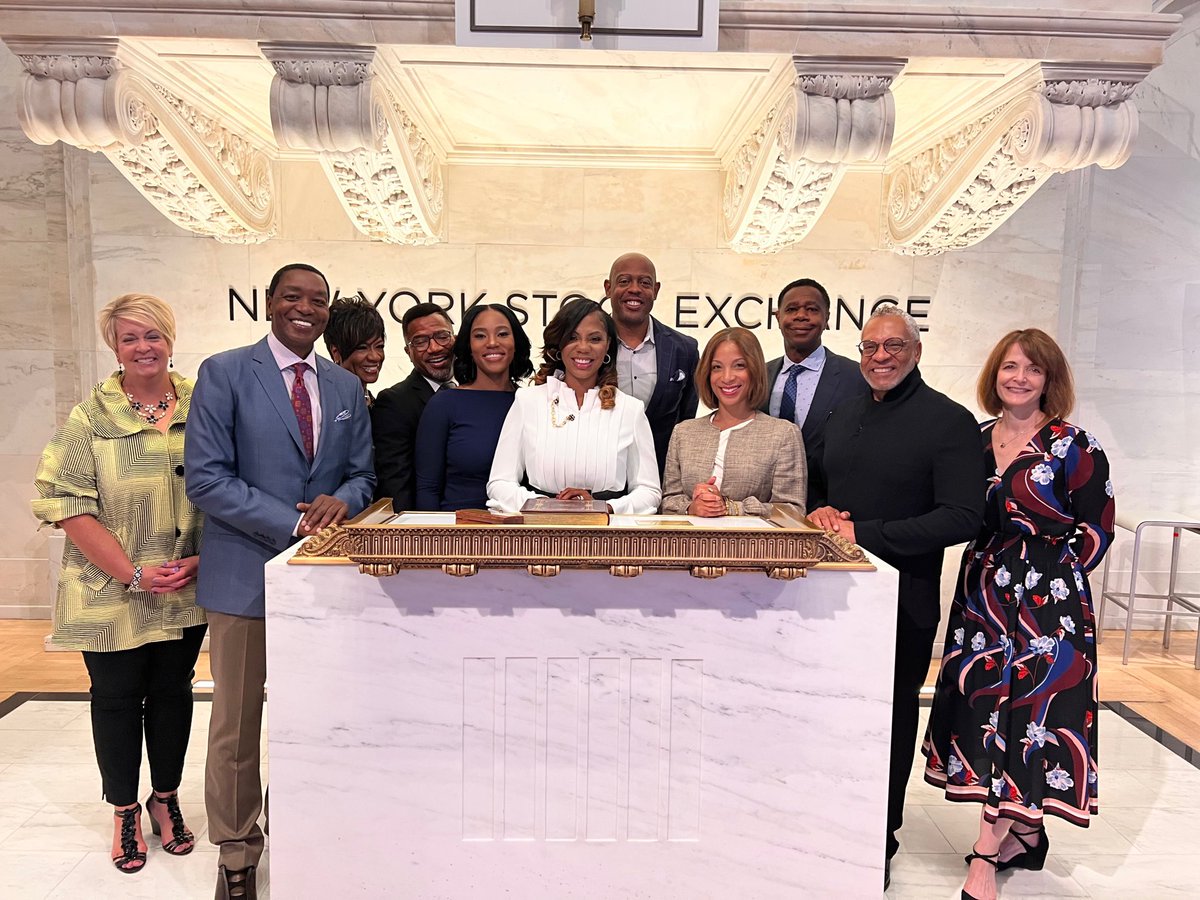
x=245 y=467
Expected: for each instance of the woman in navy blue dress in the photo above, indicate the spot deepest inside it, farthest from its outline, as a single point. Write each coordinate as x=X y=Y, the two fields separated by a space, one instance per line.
x=459 y=428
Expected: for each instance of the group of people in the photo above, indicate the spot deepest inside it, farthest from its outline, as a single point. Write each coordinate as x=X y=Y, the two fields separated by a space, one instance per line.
x=168 y=537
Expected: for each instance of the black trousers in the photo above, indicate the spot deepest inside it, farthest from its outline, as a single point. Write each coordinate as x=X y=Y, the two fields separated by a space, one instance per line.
x=914 y=650
x=144 y=690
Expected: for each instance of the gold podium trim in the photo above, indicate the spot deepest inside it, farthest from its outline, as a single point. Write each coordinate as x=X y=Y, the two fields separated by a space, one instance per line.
x=787 y=550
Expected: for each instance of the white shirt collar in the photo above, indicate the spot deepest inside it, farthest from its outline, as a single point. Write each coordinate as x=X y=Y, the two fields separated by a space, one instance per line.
x=648 y=339
x=285 y=357
x=814 y=361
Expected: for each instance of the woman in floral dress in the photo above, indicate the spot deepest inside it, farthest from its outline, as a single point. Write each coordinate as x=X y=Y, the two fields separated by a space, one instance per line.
x=1013 y=724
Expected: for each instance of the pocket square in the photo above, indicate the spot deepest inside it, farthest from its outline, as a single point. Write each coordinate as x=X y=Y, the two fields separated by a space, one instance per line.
x=343 y=416
x=678 y=376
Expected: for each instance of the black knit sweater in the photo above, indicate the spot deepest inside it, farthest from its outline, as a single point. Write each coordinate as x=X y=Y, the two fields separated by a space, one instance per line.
x=909 y=469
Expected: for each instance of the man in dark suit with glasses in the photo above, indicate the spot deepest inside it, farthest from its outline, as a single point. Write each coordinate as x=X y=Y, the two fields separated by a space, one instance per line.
x=429 y=343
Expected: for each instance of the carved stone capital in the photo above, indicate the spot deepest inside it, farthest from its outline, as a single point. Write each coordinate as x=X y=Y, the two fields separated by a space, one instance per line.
x=201 y=175
x=780 y=179
x=954 y=194
x=388 y=176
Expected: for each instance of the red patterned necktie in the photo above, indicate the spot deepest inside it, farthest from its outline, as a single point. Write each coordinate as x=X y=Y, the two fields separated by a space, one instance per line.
x=303 y=407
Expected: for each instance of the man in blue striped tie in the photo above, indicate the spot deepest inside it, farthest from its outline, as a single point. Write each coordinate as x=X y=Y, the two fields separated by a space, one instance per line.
x=808 y=381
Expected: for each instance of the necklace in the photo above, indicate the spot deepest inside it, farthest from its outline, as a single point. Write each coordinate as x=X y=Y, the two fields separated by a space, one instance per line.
x=1025 y=434
x=151 y=412
x=554 y=416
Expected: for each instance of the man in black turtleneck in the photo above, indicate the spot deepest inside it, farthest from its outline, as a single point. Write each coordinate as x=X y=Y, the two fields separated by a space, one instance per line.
x=902 y=475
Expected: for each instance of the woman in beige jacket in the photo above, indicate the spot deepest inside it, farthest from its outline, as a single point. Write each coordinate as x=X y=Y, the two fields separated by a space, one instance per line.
x=736 y=461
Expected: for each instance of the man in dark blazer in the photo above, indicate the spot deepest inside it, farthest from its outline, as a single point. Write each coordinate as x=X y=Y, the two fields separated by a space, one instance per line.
x=815 y=380
x=429 y=343
x=278 y=446
x=655 y=363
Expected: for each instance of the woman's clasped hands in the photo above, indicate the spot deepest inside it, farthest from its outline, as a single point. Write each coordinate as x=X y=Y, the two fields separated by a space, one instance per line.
x=707 y=500
x=170 y=576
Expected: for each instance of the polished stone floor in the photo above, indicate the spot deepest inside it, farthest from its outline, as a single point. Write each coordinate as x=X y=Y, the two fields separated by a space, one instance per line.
x=55 y=829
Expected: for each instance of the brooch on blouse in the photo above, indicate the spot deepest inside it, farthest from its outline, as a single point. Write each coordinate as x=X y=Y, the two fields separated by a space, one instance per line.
x=554 y=417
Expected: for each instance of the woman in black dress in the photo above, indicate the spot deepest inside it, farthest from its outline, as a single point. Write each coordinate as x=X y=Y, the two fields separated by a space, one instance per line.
x=1013 y=724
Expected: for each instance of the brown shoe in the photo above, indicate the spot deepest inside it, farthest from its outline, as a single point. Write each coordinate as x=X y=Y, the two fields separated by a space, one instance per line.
x=236 y=885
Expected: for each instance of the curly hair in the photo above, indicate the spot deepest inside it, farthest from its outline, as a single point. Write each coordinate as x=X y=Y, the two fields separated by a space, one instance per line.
x=558 y=334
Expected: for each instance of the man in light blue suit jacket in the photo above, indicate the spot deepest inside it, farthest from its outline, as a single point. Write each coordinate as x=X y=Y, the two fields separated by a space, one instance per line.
x=274 y=453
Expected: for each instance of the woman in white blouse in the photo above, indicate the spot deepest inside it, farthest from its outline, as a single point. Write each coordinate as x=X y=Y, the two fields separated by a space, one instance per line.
x=738 y=460
x=573 y=434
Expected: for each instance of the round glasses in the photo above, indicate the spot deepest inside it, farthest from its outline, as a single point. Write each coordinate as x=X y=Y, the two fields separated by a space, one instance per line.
x=442 y=338
x=891 y=346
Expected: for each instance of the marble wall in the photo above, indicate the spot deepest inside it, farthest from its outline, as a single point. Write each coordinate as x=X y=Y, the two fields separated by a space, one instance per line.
x=1100 y=257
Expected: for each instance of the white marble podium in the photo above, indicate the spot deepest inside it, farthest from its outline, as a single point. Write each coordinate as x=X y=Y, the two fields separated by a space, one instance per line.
x=585 y=736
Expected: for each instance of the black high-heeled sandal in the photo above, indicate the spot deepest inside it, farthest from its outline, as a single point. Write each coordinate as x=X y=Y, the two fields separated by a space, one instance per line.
x=1034 y=855
x=179 y=832
x=129 y=850
x=992 y=859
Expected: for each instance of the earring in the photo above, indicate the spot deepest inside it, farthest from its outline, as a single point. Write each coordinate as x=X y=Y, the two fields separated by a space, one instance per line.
x=120 y=368
x=170 y=362
x=553 y=355
x=607 y=358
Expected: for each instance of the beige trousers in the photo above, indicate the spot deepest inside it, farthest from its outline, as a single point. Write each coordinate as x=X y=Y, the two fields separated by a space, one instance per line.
x=233 y=795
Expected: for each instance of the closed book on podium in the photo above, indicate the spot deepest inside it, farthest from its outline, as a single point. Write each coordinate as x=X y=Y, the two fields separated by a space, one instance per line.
x=549 y=511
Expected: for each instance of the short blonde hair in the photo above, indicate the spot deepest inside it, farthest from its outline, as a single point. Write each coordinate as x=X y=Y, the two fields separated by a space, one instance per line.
x=756 y=366
x=141 y=308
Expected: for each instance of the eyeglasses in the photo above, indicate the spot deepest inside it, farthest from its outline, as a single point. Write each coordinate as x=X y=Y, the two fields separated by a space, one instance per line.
x=891 y=347
x=441 y=338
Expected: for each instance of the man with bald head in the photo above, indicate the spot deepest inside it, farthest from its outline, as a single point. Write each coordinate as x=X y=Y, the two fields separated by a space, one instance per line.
x=654 y=363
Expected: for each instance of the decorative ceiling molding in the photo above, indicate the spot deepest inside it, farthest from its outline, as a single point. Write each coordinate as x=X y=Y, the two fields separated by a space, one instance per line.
x=780 y=179
x=204 y=177
x=955 y=193
x=1070 y=21
x=388 y=176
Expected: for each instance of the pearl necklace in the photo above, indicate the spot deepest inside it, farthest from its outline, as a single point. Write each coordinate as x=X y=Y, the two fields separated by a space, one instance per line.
x=151 y=412
x=554 y=417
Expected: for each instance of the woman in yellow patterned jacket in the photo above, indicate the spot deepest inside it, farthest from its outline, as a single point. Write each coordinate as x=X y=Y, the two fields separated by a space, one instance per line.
x=112 y=479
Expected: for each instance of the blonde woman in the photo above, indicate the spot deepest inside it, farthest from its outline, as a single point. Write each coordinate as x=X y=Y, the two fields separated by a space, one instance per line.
x=112 y=479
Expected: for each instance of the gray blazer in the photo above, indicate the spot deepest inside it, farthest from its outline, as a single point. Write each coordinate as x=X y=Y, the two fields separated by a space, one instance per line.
x=840 y=380
x=244 y=466
x=764 y=463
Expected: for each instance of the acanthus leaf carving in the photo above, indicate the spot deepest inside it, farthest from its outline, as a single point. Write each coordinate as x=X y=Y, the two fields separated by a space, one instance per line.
x=1089 y=92
x=780 y=179
x=954 y=194
x=200 y=174
x=387 y=174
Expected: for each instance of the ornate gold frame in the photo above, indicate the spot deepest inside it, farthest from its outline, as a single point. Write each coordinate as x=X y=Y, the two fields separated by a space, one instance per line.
x=785 y=552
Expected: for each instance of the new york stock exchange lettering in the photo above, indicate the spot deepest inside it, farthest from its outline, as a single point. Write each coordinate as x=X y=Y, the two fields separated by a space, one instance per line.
x=686 y=311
